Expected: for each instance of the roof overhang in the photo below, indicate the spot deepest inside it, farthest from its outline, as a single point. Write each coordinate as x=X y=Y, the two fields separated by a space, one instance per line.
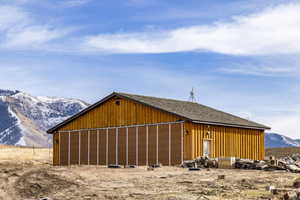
x=114 y=94
x=52 y=130
x=231 y=125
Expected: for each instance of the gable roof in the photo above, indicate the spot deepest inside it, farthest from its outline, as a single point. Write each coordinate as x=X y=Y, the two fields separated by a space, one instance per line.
x=190 y=111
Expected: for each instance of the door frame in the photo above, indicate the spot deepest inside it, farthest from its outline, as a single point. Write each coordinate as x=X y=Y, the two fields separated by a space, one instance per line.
x=210 y=141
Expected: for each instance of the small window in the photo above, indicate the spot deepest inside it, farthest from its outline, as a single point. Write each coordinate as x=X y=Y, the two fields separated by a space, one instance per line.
x=117 y=102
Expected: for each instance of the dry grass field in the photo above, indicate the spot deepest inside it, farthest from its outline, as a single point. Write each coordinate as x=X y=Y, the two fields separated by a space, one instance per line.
x=25 y=154
x=28 y=174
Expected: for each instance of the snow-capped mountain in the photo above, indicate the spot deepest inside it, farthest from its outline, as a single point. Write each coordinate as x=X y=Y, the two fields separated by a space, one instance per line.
x=24 y=118
x=276 y=140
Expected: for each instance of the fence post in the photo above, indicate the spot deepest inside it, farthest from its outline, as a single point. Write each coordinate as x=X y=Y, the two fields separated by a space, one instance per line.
x=147 y=161
x=137 y=145
x=157 y=144
x=170 y=145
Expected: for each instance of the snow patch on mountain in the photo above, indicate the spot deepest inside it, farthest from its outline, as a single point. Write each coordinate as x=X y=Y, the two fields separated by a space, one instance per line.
x=25 y=118
x=273 y=140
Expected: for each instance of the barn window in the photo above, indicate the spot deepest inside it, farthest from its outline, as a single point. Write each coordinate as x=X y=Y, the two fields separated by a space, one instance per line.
x=117 y=102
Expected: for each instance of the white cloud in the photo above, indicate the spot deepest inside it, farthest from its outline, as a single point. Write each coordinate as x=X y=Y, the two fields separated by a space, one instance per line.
x=10 y=16
x=275 y=30
x=282 y=116
x=286 y=125
x=32 y=36
x=18 y=29
x=259 y=70
x=74 y=3
x=269 y=66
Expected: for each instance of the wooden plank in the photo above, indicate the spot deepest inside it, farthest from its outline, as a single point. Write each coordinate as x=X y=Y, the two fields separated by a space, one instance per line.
x=63 y=153
x=84 y=147
x=127 y=113
x=176 y=144
x=122 y=146
x=93 y=148
x=56 y=149
x=102 y=147
x=112 y=146
x=132 y=146
x=142 y=145
x=74 y=148
x=163 y=144
x=152 y=145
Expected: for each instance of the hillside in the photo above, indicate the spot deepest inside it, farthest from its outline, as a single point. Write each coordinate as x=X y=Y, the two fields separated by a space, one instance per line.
x=273 y=140
x=24 y=118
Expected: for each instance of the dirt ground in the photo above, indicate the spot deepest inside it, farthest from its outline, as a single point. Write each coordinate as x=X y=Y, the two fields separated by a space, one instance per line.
x=37 y=179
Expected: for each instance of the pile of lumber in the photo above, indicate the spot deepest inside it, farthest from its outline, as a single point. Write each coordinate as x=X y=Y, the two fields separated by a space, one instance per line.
x=201 y=162
x=288 y=163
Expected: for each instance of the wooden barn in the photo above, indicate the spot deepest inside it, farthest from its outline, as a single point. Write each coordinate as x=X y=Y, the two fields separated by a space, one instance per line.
x=128 y=129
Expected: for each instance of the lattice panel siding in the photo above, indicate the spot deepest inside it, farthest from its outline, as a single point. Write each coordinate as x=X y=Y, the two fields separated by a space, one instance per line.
x=176 y=147
x=132 y=147
x=122 y=146
x=163 y=145
x=102 y=147
x=152 y=146
x=112 y=153
x=142 y=158
x=64 y=144
x=84 y=148
x=74 y=148
x=93 y=148
x=137 y=145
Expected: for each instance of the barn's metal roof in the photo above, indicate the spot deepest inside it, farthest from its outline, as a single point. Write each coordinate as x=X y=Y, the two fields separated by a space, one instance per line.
x=190 y=111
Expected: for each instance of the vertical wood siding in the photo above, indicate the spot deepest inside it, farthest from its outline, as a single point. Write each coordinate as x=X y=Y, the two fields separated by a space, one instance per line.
x=110 y=114
x=225 y=141
x=56 y=149
x=102 y=147
x=132 y=146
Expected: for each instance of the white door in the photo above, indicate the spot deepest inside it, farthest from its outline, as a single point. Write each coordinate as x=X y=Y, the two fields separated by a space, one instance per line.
x=206 y=147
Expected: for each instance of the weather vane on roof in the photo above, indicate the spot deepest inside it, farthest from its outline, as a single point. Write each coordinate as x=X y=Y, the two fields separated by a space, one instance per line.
x=192 y=96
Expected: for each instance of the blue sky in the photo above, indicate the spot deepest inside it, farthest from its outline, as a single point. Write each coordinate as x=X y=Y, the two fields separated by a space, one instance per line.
x=240 y=56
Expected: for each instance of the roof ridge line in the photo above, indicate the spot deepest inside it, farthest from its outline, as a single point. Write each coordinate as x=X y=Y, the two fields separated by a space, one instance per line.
x=156 y=97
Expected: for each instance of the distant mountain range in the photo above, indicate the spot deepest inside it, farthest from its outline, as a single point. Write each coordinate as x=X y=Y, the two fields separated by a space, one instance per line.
x=276 y=140
x=24 y=118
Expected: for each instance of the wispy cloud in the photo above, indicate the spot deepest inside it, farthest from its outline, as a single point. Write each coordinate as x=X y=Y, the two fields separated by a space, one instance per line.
x=10 y=16
x=259 y=70
x=142 y=3
x=269 y=66
x=275 y=30
x=74 y=3
x=285 y=124
x=19 y=30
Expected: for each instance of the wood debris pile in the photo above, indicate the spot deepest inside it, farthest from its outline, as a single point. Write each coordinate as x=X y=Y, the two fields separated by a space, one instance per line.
x=201 y=162
x=288 y=163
